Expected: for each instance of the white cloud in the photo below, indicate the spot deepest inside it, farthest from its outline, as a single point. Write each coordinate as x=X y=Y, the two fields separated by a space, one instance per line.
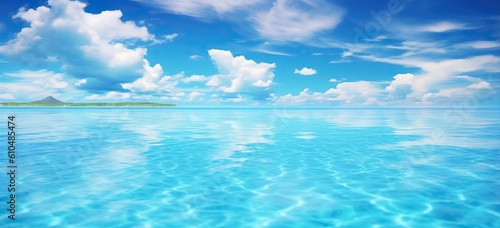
x=109 y=96
x=195 y=57
x=51 y=59
x=340 y=61
x=305 y=96
x=238 y=99
x=30 y=85
x=443 y=26
x=201 y=8
x=64 y=33
x=435 y=72
x=355 y=93
x=458 y=93
x=282 y=20
x=345 y=57
x=42 y=78
x=239 y=75
x=480 y=85
x=347 y=54
x=7 y=96
x=195 y=78
x=305 y=71
x=480 y=44
x=176 y=96
x=401 y=86
x=81 y=82
x=336 y=80
x=194 y=96
x=419 y=47
x=165 y=38
x=296 y=20
x=467 y=78
x=377 y=38
x=214 y=81
x=317 y=53
x=152 y=80
x=171 y=37
x=267 y=50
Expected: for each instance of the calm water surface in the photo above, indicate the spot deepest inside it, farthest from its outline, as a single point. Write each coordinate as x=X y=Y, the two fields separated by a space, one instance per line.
x=174 y=167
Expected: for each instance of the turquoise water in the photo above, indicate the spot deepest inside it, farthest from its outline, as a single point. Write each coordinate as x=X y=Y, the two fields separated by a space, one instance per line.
x=174 y=167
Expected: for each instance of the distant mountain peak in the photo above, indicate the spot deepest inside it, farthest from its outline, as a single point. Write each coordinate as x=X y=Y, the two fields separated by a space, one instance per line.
x=49 y=99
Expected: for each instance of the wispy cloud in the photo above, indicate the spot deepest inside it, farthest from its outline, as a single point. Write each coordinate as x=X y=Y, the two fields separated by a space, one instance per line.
x=271 y=52
x=283 y=20
x=480 y=44
x=442 y=26
x=202 y=8
x=195 y=57
x=296 y=21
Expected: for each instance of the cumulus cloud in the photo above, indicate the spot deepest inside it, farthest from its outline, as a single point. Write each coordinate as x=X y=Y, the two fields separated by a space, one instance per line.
x=194 y=96
x=305 y=71
x=356 y=93
x=195 y=78
x=305 y=96
x=436 y=72
x=152 y=80
x=479 y=89
x=63 y=32
x=401 y=86
x=480 y=85
x=238 y=75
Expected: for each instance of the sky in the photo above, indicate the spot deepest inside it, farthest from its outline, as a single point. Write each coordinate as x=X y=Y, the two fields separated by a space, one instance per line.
x=252 y=52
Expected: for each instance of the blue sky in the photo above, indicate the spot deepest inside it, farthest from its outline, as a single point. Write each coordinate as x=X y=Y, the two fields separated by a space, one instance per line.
x=252 y=52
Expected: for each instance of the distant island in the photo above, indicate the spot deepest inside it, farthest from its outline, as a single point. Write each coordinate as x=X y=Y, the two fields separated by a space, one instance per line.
x=51 y=101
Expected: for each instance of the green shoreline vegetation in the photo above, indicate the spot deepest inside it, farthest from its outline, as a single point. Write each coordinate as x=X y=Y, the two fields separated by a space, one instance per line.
x=51 y=101
x=119 y=104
